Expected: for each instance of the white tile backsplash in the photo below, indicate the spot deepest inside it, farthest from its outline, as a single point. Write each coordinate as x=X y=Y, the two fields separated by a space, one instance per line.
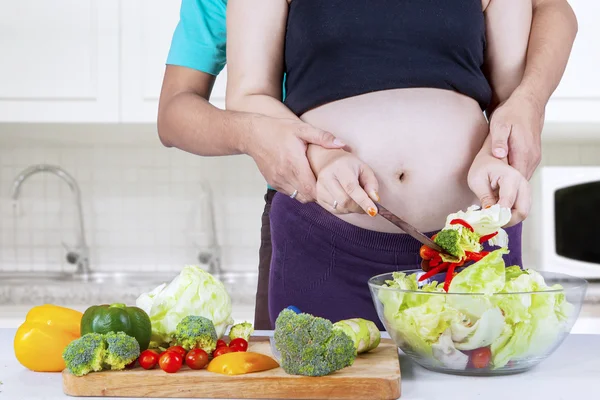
x=142 y=204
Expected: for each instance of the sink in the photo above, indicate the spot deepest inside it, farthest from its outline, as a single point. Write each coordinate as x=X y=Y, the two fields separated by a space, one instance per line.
x=97 y=287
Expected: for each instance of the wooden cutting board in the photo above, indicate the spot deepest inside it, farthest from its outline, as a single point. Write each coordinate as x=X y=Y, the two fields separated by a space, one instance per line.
x=374 y=375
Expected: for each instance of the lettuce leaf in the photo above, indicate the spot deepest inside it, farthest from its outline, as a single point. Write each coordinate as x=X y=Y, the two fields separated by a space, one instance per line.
x=485 y=276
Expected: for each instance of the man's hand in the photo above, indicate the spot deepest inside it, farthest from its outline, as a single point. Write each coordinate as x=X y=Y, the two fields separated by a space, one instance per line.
x=515 y=128
x=495 y=182
x=278 y=146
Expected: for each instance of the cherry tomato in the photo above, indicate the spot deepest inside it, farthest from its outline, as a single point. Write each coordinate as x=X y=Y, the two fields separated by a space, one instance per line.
x=148 y=359
x=221 y=350
x=480 y=358
x=427 y=253
x=196 y=359
x=238 y=344
x=221 y=343
x=170 y=361
x=179 y=350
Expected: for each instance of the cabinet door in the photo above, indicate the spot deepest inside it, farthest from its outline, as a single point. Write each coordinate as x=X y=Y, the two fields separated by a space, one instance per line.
x=60 y=61
x=147 y=30
x=577 y=98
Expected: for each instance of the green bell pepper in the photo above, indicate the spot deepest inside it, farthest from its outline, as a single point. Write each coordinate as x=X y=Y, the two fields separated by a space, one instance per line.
x=133 y=321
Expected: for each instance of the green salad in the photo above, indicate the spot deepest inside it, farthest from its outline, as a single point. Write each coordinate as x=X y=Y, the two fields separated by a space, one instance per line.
x=492 y=318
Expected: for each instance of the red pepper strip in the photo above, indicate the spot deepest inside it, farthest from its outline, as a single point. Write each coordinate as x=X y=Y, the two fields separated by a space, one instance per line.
x=434 y=271
x=485 y=238
x=449 y=276
x=461 y=222
x=476 y=256
x=434 y=262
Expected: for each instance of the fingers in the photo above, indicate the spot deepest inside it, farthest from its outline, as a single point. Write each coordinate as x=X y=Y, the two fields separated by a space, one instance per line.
x=522 y=204
x=368 y=181
x=351 y=185
x=509 y=188
x=318 y=136
x=303 y=180
x=333 y=197
x=483 y=190
x=500 y=133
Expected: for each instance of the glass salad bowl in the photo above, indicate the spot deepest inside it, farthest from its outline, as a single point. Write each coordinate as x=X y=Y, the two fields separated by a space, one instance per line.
x=488 y=323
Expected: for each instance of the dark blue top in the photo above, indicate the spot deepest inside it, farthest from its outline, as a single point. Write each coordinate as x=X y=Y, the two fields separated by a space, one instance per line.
x=336 y=49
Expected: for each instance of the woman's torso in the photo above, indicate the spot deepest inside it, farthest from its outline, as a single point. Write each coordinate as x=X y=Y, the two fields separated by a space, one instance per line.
x=418 y=134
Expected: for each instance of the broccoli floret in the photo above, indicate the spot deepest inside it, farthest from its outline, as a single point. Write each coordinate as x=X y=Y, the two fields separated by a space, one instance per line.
x=242 y=330
x=457 y=241
x=196 y=332
x=85 y=354
x=121 y=350
x=310 y=346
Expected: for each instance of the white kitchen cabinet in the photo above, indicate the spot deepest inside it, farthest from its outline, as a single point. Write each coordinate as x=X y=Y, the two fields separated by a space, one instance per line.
x=577 y=99
x=59 y=61
x=146 y=31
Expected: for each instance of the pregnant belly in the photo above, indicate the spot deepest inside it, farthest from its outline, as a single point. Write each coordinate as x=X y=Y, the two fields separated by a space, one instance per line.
x=419 y=142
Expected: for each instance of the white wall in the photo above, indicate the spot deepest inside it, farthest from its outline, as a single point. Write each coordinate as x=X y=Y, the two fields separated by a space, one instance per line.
x=141 y=200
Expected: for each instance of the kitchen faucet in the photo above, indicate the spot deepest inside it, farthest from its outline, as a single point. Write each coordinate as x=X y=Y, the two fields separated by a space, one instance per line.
x=80 y=255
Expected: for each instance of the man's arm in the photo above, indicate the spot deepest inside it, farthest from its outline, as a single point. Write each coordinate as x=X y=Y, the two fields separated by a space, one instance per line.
x=187 y=120
x=516 y=124
x=553 y=32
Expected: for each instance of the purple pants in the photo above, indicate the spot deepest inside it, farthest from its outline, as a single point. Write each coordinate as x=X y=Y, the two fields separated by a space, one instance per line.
x=321 y=264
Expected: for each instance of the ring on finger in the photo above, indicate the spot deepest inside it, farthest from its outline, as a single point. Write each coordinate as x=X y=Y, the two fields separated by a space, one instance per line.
x=335 y=204
x=293 y=195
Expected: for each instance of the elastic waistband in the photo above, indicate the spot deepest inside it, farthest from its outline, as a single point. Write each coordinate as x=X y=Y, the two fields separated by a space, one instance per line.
x=314 y=213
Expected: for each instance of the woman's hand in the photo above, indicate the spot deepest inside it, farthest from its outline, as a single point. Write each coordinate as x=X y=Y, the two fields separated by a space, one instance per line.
x=345 y=184
x=279 y=145
x=496 y=182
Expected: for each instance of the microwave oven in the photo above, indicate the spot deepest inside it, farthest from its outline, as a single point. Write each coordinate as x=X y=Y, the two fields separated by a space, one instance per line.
x=570 y=221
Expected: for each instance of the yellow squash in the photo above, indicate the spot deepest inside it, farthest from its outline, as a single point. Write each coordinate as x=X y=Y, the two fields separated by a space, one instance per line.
x=241 y=363
x=41 y=339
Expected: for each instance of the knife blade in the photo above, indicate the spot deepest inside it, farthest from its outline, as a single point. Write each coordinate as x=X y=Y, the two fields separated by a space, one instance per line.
x=408 y=228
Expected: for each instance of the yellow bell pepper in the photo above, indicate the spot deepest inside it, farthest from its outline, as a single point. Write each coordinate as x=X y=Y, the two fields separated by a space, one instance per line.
x=41 y=339
x=241 y=363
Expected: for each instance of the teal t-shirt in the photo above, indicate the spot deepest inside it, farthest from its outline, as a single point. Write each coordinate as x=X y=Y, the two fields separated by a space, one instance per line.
x=200 y=38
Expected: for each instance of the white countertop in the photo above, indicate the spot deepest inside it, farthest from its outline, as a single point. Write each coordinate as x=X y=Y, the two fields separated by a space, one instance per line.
x=570 y=373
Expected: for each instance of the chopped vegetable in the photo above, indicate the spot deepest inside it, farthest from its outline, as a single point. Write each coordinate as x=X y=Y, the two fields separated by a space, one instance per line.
x=196 y=359
x=242 y=330
x=457 y=240
x=480 y=358
x=42 y=338
x=170 y=362
x=196 y=332
x=364 y=333
x=117 y=317
x=486 y=238
x=462 y=222
x=85 y=354
x=121 y=350
x=485 y=221
x=148 y=359
x=192 y=292
x=241 y=363
x=310 y=345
